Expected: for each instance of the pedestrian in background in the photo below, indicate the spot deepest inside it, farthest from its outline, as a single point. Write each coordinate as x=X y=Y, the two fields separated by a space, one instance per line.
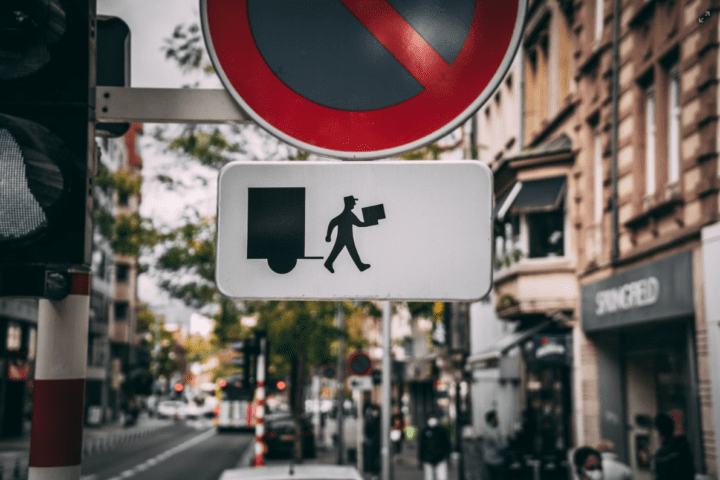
x=494 y=447
x=588 y=464
x=612 y=468
x=434 y=449
x=397 y=431
x=372 y=434
x=673 y=460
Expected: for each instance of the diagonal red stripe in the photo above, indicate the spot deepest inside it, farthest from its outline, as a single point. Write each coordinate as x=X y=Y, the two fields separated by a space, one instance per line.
x=400 y=39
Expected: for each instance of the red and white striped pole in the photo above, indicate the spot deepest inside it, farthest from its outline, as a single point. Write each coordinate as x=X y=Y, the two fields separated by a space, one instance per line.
x=59 y=387
x=260 y=426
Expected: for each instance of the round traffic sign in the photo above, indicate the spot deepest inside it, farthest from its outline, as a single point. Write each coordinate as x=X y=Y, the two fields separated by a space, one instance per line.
x=359 y=363
x=361 y=79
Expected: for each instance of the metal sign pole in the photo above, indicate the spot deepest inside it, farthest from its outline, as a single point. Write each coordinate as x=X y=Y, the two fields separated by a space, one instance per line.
x=358 y=402
x=260 y=392
x=340 y=387
x=386 y=393
x=59 y=395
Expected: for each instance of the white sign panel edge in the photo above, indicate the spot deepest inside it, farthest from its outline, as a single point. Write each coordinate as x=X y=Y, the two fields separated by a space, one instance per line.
x=227 y=263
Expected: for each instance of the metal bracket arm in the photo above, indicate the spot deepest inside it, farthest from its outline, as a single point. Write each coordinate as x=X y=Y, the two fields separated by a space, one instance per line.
x=167 y=105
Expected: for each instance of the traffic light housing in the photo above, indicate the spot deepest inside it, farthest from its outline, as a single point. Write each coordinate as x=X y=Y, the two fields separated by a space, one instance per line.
x=113 y=65
x=250 y=349
x=47 y=146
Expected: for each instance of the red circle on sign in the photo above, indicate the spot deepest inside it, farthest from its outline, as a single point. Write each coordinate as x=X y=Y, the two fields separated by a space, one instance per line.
x=450 y=94
x=359 y=363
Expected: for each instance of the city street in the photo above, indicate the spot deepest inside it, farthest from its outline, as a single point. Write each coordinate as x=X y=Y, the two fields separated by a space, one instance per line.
x=191 y=450
x=383 y=239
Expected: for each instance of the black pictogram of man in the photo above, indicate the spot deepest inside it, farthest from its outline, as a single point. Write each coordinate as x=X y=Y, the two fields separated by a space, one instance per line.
x=345 y=222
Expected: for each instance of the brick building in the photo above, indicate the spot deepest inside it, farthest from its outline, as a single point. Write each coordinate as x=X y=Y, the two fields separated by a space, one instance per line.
x=642 y=348
x=606 y=218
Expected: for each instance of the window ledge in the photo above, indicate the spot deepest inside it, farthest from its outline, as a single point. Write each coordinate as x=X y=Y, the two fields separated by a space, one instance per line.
x=590 y=59
x=654 y=205
x=642 y=13
x=533 y=266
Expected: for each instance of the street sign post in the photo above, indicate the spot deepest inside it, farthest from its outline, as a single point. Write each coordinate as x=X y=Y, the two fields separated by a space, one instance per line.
x=362 y=230
x=358 y=382
x=361 y=79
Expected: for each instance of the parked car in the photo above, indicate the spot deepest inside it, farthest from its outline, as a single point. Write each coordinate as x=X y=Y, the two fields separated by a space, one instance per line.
x=280 y=435
x=171 y=409
x=294 y=472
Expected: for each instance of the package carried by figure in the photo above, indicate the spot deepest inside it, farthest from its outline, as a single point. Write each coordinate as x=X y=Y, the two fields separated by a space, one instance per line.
x=371 y=215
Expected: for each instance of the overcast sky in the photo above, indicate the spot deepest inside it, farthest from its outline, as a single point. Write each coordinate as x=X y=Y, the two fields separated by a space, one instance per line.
x=151 y=21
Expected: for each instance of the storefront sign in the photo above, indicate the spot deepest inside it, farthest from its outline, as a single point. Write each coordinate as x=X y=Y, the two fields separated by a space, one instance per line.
x=550 y=349
x=631 y=295
x=656 y=291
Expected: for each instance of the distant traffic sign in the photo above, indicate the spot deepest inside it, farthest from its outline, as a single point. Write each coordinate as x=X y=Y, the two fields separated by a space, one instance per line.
x=361 y=78
x=293 y=230
x=360 y=383
x=359 y=363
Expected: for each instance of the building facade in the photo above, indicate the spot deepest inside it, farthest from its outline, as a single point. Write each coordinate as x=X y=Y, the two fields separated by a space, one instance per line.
x=643 y=342
x=527 y=137
x=112 y=360
x=614 y=256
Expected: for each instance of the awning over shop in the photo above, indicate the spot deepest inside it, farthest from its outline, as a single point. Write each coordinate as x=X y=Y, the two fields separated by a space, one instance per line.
x=543 y=195
x=507 y=342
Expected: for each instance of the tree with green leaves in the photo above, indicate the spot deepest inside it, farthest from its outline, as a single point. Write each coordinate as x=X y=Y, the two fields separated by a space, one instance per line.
x=302 y=334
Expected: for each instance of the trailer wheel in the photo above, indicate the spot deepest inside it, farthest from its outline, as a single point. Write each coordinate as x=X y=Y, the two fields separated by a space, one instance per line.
x=282 y=264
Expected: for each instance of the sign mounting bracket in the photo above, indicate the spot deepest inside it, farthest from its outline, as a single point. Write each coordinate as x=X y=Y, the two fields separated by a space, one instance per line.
x=167 y=105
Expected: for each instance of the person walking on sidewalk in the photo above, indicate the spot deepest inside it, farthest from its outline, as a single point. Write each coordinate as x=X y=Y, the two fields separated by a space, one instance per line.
x=613 y=469
x=494 y=447
x=434 y=449
x=588 y=464
x=673 y=460
x=397 y=431
x=373 y=434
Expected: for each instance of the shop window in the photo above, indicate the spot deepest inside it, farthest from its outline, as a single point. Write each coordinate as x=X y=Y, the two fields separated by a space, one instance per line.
x=598 y=177
x=599 y=19
x=98 y=263
x=507 y=242
x=121 y=311
x=649 y=141
x=545 y=234
x=530 y=221
x=122 y=272
x=32 y=344
x=14 y=337
x=674 y=126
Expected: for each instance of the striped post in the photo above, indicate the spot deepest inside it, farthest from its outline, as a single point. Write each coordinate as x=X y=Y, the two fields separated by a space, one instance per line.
x=59 y=387
x=260 y=427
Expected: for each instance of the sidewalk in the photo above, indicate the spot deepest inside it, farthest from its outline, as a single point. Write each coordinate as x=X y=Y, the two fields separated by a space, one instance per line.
x=15 y=453
x=404 y=467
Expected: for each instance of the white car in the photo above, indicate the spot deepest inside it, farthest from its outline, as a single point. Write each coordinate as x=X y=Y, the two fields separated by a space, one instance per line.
x=299 y=472
x=172 y=408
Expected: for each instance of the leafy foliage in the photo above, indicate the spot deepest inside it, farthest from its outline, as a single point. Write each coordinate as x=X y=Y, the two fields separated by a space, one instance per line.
x=208 y=148
x=166 y=360
x=132 y=233
x=227 y=323
x=198 y=349
x=125 y=182
x=186 y=48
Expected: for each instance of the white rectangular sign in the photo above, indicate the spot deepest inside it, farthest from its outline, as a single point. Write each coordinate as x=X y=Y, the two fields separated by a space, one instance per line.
x=356 y=382
x=384 y=230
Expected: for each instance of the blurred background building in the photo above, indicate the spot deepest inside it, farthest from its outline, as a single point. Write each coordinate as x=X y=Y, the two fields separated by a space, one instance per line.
x=606 y=184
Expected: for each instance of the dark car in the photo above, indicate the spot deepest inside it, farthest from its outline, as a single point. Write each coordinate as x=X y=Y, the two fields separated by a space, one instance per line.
x=280 y=435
